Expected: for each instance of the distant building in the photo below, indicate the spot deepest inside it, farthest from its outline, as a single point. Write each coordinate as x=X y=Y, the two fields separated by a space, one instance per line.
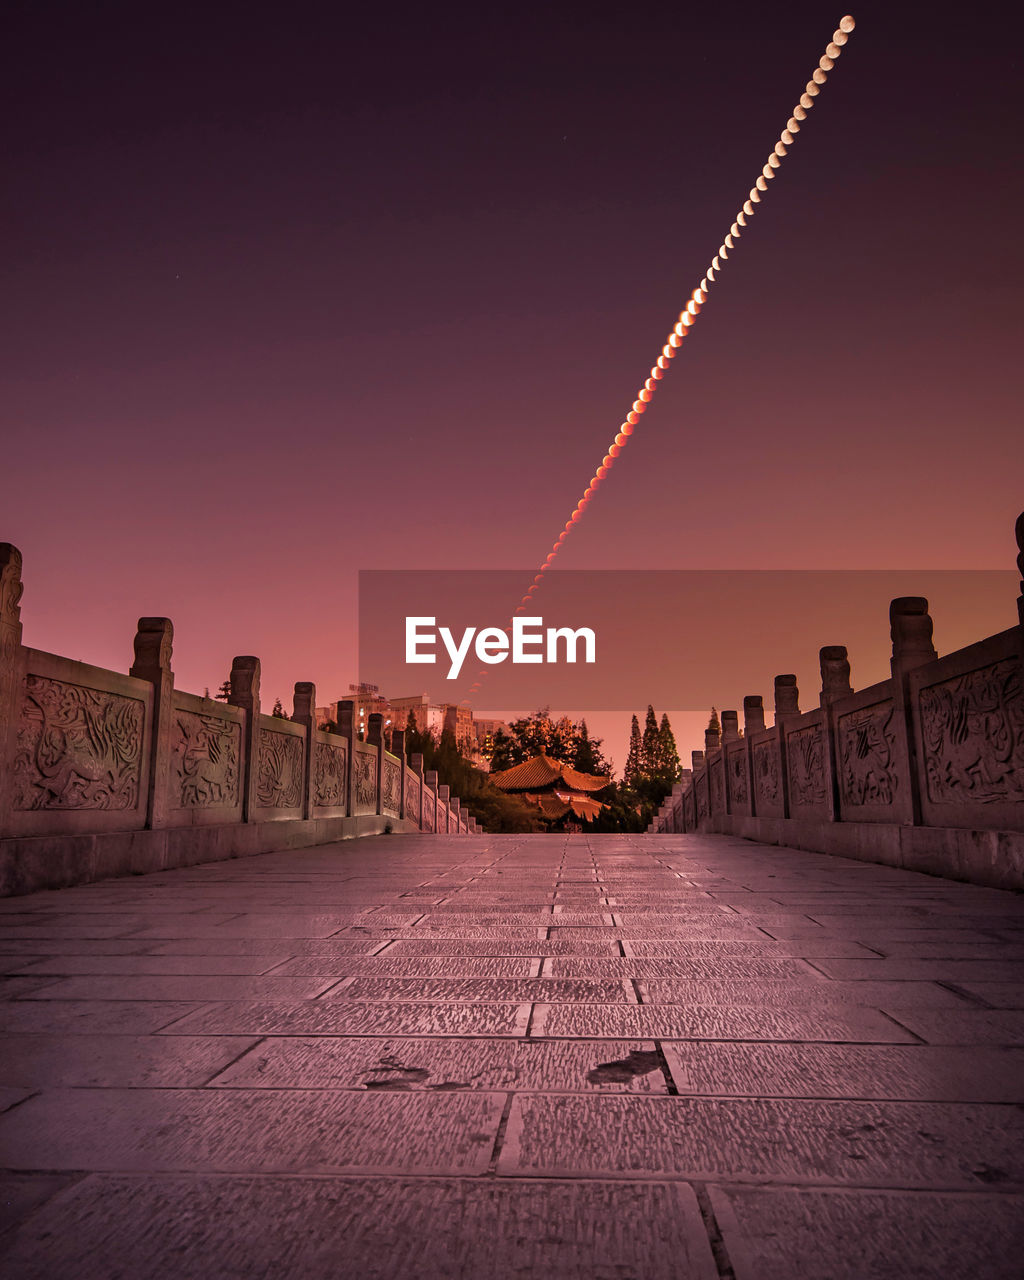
x=367 y=700
x=458 y=720
x=427 y=717
x=555 y=788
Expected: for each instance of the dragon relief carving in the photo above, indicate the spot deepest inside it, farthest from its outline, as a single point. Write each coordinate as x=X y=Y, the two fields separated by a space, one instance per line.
x=429 y=806
x=866 y=744
x=278 y=770
x=204 y=760
x=806 y=753
x=717 y=772
x=738 y=776
x=77 y=748
x=391 y=787
x=330 y=770
x=973 y=732
x=766 y=773
x=365 y=766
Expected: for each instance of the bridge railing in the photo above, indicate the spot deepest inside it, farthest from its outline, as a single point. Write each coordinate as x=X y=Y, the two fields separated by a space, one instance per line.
x=103 y=773
x=923 y=770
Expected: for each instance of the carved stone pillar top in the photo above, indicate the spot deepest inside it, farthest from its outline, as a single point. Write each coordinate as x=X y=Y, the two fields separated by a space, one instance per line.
x=416 y=762
x=11 y=586
x=730 y=726
x=375 y=729
x=346 y=717
x=398 y=743
x=753 y=713
x=304 y=703
x=430 y=778
x=833 y=661
x=910 y=625
x=787 y=696
x=245 y=684
x=697 y=759
x=1019 y=532
x=154 y=642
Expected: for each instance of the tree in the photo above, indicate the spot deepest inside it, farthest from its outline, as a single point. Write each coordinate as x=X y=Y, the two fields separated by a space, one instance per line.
x=631 y=773
x=224 y=692
x=668 y=768
x=649 y=745
x=561 y=739
x=278 y=711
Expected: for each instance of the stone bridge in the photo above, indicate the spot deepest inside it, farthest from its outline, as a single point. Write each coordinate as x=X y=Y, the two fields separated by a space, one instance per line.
x=411 y=1057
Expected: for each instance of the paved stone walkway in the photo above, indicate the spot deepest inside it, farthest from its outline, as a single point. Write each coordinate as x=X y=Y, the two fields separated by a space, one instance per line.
x=655 y=1058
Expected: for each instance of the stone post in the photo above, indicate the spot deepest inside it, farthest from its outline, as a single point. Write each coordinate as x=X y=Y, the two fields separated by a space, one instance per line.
x=416 y=765
x=444 y=797
x=910 y=626
x=834 y=664
x=1019 y=531
x=12 y=670
x=787 y=706
x=430 y=787
x=347 y=730
x=245 y=693
x=304 y=713
x=398 y=749
x=696 y=761
x=153 y=644
x=375 y=738
x=730 y=727
x=753 y=714
x=712 y=735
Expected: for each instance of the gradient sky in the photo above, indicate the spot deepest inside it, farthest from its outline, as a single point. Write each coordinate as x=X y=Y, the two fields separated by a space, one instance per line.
x=293 y=292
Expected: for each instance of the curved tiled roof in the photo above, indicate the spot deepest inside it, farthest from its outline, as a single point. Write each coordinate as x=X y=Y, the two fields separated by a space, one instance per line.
x=542 y=771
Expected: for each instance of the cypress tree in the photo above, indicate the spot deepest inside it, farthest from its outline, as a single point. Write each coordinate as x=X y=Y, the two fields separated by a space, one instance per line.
x=668 y=752
x=631 y=773
x=649 y=745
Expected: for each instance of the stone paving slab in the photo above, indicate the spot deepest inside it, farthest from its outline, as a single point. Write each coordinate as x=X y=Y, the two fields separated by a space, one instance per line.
x=243 y=1130
x=905 y=969
x=1000 y=995
x=476 y=990
x=802 y=948
x=500 y=946
x=876 y=1144
x=919 y=1073
x=774 y=1234
x=420 y=1064
x=116 y=1061
x=363 y=945
x=966 y=1026
x=683 y=968
x=377 y=1229
x=679 y=1022
x=352 y=1017
x=421 y=966
x=804 y=994
x=84 y=1017
x=173 y=966
x=190 y=987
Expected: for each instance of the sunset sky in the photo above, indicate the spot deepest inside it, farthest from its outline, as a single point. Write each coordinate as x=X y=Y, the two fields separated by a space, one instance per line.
x=293 y=293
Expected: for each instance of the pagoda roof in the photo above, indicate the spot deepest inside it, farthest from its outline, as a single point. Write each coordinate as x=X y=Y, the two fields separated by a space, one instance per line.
x=542 y=772
x=556 y=804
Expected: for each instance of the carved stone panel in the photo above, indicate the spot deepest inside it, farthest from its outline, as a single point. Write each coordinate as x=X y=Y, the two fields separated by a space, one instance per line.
x=866 y=744
x=205 y=753
x=738 y=791
x=717 y=772
x=412 y=799
x=805 y=750
x=77 y=748
x=767 y=786
x=973 y=732
x=364 y=783
x=702 y=796
x=278 y=770
x=428 y=812
x=330 y=773
x=391 y=787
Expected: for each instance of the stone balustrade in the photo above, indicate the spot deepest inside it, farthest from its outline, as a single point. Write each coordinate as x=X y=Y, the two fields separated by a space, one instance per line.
x=924 y=770
x=107 y=774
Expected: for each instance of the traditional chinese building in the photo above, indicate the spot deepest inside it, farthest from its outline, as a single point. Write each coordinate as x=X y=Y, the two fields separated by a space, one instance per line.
x=555 y=788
